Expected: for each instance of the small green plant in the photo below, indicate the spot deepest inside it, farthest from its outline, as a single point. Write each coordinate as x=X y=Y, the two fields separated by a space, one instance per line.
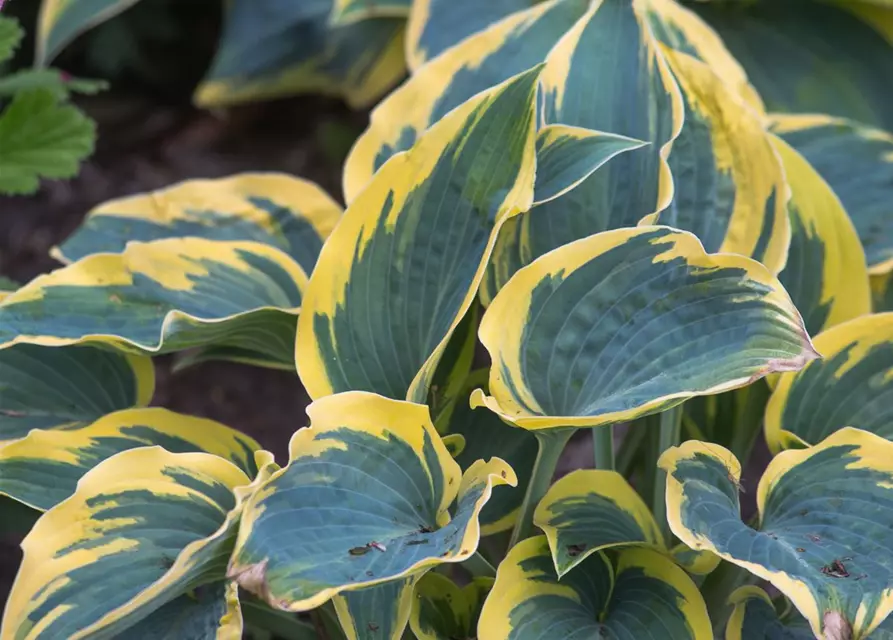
x=645 y=238
x=41 y=134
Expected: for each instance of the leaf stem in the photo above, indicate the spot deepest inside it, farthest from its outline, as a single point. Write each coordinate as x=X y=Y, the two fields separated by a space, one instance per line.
x=751 y=406
x=478 y=566
x=670 y=433
x=603 y=447
x=551 y=444
x=630 y=448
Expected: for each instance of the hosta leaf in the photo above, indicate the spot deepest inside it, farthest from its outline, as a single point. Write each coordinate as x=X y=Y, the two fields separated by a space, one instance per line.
x=589 y=510
x=43 y=468
x=417 y=242
x=822 y=533
x=61 y=21
x=852 y=385
x=494 y=55
x=862 y=182
x=363 y=501
x=143 y=528
x=67 y=388
x=486 y=436
x=448 y=385
x=612 y=47
x=210 y=611
x=833 y=62
x=631 y=322
x=566 y=156
x=163 y=296
x=825 y=274
x=376 y=613
x=443 y=611
x=347 y=11
x=882 y=292
x=730 y=187
x=288 y=213
x=682 y=30
x=271 y=48
x=41 y=138
x=643 y=596
x=755 y=618
x=437 y=25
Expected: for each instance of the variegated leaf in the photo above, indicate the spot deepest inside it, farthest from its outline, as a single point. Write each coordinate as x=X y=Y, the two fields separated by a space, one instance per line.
x=486 y=59
x=826 y=274
x=43 y=468
x=348 y=11
x=363 y=501
x=61 y=21
x=67 y=388
x=641 y=595
x=144 y=529
x=730 y=187
x=441 y=610
x=164 y=296
x=285 y=212
x=811 y=58
x=851 y=386
x=862 y=182
x=401 y=269
x=631 y=322
x=376 y=613
x=821 y=533
x=270 y=49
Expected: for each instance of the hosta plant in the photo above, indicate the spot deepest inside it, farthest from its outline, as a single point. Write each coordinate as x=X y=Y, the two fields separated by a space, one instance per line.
x=641 y=243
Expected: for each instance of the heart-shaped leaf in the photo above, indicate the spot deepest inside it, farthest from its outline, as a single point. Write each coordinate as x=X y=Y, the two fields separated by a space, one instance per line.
x=826 y=273
x=143 y=529
x=67 y=388
x=631 y=322
x=285 y=212
x=835 y=63
x=851 y=386
x=417 y=242
x=43 y=468
x=862 y=182
x=641 y=595
x=363 y=501
x=822 y=536
x=163 y=296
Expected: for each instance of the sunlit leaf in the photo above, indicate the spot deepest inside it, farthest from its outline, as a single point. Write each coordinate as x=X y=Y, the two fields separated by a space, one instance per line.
x=631 y=322
x=821 y=535
x=641 y=595
x=851 y=386
x=402 y=267
x=363 y=501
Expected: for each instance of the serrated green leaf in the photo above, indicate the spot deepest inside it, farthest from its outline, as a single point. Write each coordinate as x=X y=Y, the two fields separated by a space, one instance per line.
x=39 y=138
x=11 y=35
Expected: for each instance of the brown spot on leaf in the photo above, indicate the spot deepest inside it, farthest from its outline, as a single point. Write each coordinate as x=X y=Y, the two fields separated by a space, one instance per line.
x=836 y=627
x=573 y=550
x=253 y=579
